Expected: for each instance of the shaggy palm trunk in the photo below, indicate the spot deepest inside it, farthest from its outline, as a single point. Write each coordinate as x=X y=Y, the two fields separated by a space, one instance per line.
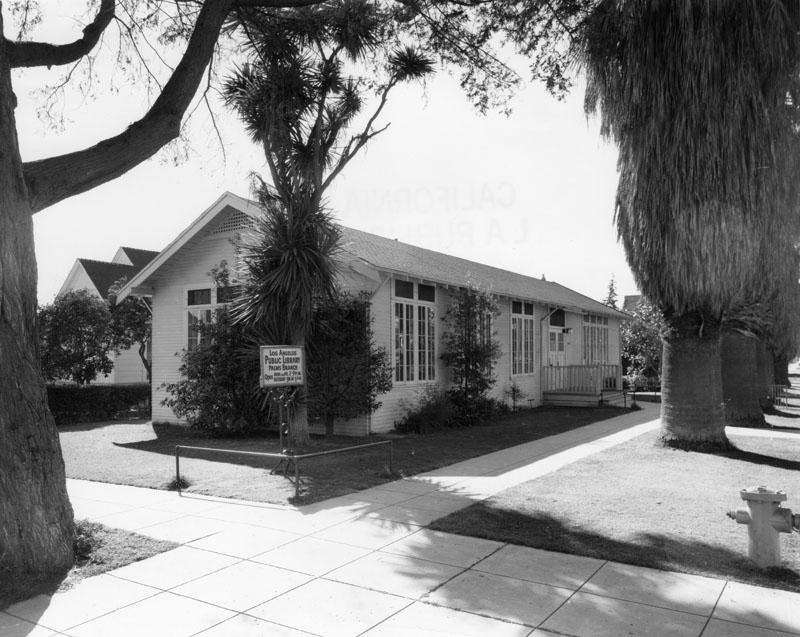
x=781 y=370
x=36 y=525
x=739 y=380
x=691 y=383
x=298 y=424
x=764 y=375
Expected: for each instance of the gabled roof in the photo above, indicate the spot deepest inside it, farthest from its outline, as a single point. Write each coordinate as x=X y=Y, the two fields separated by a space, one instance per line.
x=400 y=259
x=138 y=257
x=104 y=274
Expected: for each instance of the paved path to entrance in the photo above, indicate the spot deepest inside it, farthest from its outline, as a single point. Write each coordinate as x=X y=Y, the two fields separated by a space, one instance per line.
x=364 y=564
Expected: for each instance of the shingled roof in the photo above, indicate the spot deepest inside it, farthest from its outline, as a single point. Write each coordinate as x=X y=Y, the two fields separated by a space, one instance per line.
x=139 y=258
x=408 y=260
x=397 y=258
x=104 y=273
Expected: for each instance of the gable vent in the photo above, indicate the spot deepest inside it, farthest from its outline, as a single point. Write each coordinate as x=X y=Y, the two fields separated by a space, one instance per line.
x=232 y=223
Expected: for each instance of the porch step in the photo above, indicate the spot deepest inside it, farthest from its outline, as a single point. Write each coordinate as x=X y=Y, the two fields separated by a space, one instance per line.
x=607 y=398
x=615 y=398
x=568 y=399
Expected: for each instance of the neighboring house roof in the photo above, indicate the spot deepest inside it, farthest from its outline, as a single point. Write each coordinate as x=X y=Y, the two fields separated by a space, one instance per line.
x=138 y=257
x=103 y=274
x=631 y=301
x=400 y=259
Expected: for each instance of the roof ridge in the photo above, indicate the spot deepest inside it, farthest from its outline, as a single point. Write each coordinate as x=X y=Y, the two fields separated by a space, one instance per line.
x=124 y=265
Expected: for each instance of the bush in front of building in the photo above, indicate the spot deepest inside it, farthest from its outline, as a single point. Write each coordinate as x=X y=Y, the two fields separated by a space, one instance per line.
x=219 y=391
x=438 y=409
x=72 y=404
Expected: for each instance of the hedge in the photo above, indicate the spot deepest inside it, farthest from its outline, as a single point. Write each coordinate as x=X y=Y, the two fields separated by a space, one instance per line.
x=92 y=403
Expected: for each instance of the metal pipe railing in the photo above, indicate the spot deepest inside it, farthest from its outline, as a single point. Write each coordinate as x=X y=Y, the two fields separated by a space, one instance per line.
x=289 y=457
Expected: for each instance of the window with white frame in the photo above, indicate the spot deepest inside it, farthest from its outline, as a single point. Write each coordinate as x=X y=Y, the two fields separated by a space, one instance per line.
x=200 y=306
x=199 y=312
x=595 y=339
x=414 y=332
x=522 y=338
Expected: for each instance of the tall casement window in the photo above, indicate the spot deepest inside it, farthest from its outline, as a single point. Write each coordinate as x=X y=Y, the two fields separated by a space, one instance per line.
x=200 y=306
x=595 y=339
x=522 y=337
x=199 y=311
x=414 y=332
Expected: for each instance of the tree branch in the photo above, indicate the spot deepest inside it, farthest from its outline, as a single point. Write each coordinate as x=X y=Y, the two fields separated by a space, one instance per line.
x=56 y=178
x=28 y=54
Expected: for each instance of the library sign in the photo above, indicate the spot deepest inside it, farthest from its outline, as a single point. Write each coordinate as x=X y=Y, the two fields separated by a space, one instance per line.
x=282 y=365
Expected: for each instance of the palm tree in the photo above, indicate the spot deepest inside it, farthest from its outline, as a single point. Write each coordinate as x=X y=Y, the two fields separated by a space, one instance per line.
x=297 y=100
x=694 y=93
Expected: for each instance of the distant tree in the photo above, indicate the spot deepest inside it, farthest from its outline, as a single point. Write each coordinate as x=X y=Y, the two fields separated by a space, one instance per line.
x=611 y=296
x=131 y=324
x=75 y=340
x=640 y=339
x=346 y=370
x=469 y=344
x=297 y=100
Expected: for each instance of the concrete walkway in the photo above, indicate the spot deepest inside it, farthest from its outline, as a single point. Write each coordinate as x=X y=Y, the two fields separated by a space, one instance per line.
x=364 y=564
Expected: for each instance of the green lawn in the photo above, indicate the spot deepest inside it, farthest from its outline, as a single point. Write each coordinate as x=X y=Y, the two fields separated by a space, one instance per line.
x=99 y=549
x=143 y=455
x=644 y=504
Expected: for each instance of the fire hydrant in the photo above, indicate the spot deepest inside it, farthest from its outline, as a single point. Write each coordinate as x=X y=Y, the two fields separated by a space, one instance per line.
x=765 y=520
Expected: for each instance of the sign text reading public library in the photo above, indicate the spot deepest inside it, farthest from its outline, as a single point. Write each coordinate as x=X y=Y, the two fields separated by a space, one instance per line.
x=281 y=365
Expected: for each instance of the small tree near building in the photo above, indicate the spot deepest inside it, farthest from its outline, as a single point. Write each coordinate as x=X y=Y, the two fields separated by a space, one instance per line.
x=131 y=323
x=74 y=336
x=640 y=339
x=470 y=348
x=346 y=371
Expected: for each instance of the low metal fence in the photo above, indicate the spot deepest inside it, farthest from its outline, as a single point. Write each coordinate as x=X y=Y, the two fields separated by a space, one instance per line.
x=287 y=457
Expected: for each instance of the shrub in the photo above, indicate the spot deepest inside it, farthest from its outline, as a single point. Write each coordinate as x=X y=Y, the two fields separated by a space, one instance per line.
x=515 y=394
x=219 y=391
x=92 y=403
x=438 y=409
x=434 y=411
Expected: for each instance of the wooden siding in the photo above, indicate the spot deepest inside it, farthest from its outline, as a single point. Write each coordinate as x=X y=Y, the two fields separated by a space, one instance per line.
x=187 y=268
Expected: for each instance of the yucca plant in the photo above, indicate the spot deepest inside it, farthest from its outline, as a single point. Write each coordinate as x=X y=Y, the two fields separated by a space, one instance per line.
x=298 y=97
x=699 y=96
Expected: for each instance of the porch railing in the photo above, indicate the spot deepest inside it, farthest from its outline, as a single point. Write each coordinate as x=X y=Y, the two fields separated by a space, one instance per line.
x=581 y=379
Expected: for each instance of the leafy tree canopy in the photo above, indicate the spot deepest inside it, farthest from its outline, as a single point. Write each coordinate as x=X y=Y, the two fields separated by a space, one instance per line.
x=75 y=338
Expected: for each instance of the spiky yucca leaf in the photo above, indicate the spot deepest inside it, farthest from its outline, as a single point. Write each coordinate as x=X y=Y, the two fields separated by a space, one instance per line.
x=286 y=263
x=408 y=63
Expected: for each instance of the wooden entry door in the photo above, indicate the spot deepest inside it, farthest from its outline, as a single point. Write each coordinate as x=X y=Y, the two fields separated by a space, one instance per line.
x=557 y=355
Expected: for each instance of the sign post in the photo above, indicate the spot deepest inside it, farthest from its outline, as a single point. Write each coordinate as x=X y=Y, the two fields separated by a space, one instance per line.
x=282 y=366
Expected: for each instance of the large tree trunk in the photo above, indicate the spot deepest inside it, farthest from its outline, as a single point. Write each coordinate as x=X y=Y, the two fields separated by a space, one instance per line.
x=691 y=383
x=781 y=370
x=36 y=525
x=764 y=375
x=298 y=418
x=739 y=383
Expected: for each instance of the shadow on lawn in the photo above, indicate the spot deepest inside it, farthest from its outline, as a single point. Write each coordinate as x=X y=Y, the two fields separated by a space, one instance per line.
x=651 y=549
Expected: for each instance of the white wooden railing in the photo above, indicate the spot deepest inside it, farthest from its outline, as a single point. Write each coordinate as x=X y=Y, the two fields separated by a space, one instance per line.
x=581 y=379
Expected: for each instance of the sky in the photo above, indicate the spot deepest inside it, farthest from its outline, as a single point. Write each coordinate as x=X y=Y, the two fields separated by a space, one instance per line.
x=532 y=192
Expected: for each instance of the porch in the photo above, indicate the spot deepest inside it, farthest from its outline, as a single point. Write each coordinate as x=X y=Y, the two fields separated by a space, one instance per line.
x=582 y=385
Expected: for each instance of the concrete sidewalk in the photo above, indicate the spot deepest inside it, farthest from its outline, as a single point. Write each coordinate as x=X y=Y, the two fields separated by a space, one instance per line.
x=364 y=564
